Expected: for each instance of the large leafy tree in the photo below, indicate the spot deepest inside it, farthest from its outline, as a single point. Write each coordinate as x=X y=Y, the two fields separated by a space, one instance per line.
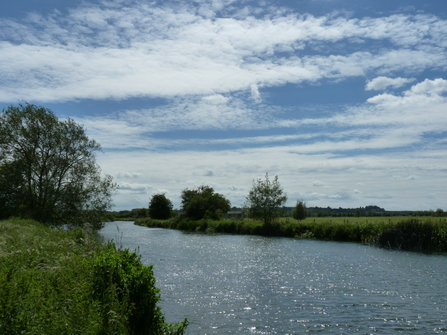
x=203 y=202
x=265 y=200
x=160 y=207
x=48 y=169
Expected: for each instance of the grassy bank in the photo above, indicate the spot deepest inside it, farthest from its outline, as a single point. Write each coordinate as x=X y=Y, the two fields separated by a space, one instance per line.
x=418 y=234
x=59 y=282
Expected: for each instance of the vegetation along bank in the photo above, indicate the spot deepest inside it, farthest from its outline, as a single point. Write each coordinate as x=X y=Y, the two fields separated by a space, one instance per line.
x=204 y=210
x=402 y=233
x=66 y=282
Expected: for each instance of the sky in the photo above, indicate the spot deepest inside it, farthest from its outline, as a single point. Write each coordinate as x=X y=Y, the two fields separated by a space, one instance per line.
x=344 y=100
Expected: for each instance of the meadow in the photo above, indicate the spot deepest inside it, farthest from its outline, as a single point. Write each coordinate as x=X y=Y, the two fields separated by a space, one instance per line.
x=66 y=282
x=402 y=233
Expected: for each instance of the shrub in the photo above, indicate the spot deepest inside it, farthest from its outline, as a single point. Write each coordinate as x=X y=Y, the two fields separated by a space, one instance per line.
x=160 y=207
x=299 y=212
x=127 y=292
x=59 y=282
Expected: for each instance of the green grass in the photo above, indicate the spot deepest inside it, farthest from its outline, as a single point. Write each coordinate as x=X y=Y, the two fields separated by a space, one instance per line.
x=403 y=233
x=59 y=282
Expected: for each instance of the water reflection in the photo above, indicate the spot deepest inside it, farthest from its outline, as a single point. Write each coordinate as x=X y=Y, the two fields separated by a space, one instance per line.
x=228 y=284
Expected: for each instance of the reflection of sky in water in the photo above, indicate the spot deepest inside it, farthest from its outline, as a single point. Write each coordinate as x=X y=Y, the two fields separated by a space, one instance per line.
x=229 y=284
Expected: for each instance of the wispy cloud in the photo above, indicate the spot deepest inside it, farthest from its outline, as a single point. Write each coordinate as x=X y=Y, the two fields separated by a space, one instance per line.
x=129 y=49
x=381 y=83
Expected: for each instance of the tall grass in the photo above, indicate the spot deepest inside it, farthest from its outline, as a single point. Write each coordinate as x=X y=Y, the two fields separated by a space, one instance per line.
x=59 y=282
x=427 y=234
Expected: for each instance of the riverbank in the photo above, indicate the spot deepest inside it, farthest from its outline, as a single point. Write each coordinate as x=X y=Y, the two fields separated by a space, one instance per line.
x=402 y=233
x=66 y=282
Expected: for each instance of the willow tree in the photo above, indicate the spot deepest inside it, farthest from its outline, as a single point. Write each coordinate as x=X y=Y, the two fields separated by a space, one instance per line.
x=265 y=200
x=48 y=169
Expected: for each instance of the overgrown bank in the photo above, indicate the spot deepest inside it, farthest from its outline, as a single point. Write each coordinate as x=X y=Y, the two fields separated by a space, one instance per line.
x=426 y=235
x=59 y=282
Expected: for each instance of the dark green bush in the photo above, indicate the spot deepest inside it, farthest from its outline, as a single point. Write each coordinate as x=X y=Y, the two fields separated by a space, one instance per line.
x=127 y=292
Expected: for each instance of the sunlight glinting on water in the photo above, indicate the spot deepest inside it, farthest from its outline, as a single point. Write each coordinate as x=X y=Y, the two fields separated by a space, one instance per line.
x=226 y=284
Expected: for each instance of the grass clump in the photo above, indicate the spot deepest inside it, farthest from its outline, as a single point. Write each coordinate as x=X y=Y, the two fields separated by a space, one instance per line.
x=59 y=282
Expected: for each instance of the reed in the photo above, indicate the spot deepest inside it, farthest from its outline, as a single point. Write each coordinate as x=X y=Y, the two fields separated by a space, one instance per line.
x=402 y=233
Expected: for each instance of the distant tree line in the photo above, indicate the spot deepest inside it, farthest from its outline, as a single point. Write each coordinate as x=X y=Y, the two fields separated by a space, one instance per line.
x=265 y=202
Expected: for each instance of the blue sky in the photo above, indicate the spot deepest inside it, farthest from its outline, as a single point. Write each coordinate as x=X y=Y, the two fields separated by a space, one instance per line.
x=344 y=100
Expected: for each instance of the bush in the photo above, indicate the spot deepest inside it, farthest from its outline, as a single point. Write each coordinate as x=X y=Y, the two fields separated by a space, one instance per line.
x=59 y=282
x=204 y=203
x=160 y=207
x=126 y=289
x=299 y=212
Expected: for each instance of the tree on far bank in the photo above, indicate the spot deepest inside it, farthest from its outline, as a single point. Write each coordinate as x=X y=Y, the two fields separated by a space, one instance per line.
x=203 y=202
x=48 y=169
x=265 y=200
x=160 y=207
x=358 y=213
x=299 y=212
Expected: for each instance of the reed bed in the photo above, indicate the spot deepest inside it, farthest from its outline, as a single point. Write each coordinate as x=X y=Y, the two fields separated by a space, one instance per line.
x=402 y=233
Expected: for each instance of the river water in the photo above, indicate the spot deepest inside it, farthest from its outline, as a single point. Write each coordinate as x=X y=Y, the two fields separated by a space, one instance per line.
x=230 y=284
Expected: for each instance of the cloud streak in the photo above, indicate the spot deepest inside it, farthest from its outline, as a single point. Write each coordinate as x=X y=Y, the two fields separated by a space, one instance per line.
x=114 y=50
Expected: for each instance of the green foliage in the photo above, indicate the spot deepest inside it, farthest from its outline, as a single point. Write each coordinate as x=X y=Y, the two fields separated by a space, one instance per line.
x=59 y=282
x=48 y=169
x=439 y=213
x=141 y=213
x=109 y=217
x=414 y=235
x=299 y=212
x=127 y=289
x=160 y=207
x=204 y=203
x=396 y=233
x=265 y=201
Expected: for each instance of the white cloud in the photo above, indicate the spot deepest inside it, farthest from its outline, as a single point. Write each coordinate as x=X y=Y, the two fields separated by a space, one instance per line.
x=133 y=128
x=128 y=174
x=430 y=87
x=134 y=188
x=208 y=173
x=216 y=99
x=381 y=83
x=385 y=122
x=160 y=170
x=120 y=51
x=255 y=93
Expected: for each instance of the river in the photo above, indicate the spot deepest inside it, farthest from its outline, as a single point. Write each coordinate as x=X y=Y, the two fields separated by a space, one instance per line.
x=231 y=284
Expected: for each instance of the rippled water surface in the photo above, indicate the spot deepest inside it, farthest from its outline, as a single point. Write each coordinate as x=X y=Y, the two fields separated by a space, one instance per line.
x=227 y=284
